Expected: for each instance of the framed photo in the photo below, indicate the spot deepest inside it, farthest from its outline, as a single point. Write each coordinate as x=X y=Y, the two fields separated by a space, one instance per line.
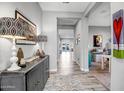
x=97 y=41
x=30 y=29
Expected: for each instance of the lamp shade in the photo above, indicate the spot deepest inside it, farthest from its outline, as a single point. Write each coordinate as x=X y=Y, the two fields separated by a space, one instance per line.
x=42 y=38
x=11 y=28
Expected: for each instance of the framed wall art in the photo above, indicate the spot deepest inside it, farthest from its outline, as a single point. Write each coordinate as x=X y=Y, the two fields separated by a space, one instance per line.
x=118 y=34
x=30 y=30
x=97 y=41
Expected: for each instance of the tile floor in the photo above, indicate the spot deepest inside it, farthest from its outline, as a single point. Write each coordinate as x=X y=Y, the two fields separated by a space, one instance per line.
x=70 y=78
x=103 y=76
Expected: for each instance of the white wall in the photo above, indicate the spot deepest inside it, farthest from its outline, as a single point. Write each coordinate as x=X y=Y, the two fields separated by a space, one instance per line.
x=100 y=15
x=34 y=13
x=50 y=28
x=81 y=50
x=84 y=45
x=117 y=65
x=104 y=31
x=78 y=30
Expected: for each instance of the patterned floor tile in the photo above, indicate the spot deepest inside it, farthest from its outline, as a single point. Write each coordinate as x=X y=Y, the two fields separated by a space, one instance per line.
x=70 y=78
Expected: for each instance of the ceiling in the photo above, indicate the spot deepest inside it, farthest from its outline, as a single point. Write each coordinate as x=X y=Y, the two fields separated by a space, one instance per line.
x=101 y=9
x=67 y=27
x=66 y=33
x=67 y=21
x=100 y=15
x=64 y=7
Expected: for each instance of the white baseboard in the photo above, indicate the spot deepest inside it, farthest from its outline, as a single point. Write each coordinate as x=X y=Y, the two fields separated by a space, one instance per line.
x=53 y=70
x=81 y=69
x=85 y=70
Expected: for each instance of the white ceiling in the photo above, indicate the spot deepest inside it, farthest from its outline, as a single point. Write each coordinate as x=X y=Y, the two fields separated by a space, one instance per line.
x=100 y=15
x=67 y=21
x=66 y=33
x=64 y=7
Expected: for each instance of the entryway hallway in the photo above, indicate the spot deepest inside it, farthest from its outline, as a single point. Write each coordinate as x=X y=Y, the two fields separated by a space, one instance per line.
x=70 y=78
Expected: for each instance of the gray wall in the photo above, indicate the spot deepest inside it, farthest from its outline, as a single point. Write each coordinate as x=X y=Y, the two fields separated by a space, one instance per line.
x=50 y=28
x=34 y=13
x=81 y=50
x=78 y=29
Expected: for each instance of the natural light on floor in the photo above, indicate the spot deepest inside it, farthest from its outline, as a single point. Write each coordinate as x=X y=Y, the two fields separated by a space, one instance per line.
x=66 y=58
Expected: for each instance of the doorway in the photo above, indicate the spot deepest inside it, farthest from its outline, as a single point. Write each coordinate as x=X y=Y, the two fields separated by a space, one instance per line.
x=99 y=45
x=65 y=38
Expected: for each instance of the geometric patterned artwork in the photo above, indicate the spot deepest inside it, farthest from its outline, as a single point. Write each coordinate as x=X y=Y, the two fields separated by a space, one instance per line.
x=118 y=34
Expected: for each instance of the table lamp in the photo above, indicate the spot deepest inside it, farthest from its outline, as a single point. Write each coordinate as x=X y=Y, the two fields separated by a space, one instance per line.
x=13 y=29
x=41 y=38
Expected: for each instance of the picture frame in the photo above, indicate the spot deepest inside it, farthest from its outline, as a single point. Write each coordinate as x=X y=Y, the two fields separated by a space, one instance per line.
x=31 y=32
x=97 y=41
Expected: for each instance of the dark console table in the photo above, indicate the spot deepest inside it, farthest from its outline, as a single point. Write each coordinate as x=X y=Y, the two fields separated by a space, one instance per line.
x=31 y=78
